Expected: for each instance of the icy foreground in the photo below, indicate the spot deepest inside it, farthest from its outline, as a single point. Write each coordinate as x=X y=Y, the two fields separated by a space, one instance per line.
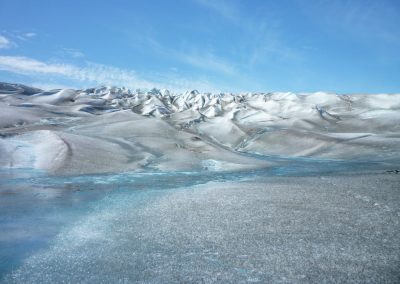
x=113 y=186
x=113 y=129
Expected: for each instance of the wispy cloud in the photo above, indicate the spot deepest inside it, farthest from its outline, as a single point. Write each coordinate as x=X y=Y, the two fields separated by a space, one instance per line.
x=223 y=8
x=207 y=61
x=367 y=19
x=265 y=34
x=25 y=36
x=17 y=35
x=30 y=34
x=96 y=74
x=204 y=59
x=75 y=53
x=5 y=42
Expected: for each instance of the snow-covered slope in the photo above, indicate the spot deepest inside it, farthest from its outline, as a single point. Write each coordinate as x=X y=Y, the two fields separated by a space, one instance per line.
x=112 y=129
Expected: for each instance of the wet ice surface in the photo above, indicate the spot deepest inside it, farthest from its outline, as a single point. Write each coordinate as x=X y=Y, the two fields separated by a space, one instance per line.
x=298 y=220
x=301 y=221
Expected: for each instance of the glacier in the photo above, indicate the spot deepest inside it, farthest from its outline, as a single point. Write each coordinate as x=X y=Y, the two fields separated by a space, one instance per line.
x=112 y=185
x=111 y=129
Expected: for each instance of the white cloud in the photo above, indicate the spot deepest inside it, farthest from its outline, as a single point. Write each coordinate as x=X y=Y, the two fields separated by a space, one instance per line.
x=5 y=42
x=73 y=52
x=200 y=59
x=30 y=34
x=207 y=61
x=96 y=74
x=21 y=36
x=223 y=8
x=265 y=33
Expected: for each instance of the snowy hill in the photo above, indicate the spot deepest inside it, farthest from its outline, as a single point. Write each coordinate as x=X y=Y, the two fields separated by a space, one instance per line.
x=112 y=129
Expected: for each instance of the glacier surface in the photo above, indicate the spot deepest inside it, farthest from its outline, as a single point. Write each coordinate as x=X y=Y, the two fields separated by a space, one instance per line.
x=112 y=129
x=116 y=185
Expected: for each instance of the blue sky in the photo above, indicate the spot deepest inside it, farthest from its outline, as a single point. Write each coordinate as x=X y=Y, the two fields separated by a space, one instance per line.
x=235 y=46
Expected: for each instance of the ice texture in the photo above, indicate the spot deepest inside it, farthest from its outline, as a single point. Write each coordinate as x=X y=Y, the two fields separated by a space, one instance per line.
x=111 y=185
x=111 y=129
x=265 y=229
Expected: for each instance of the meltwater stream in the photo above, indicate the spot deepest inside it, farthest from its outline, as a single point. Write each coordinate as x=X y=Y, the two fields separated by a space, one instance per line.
x=97 y=222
